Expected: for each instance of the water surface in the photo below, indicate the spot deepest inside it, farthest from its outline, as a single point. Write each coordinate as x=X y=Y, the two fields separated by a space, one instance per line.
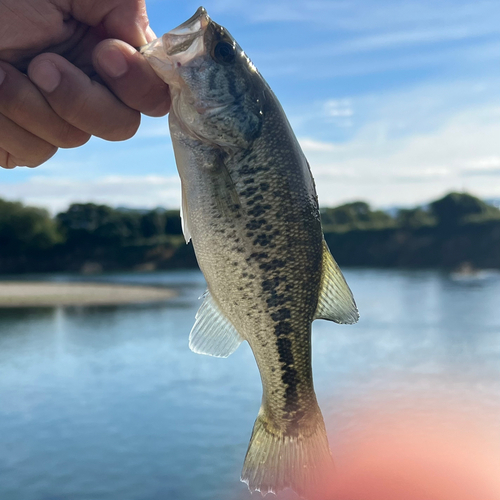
x=109 y=403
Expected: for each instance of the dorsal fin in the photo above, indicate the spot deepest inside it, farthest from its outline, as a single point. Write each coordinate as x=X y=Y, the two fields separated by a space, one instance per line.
x=335 y=302
x=213 y=333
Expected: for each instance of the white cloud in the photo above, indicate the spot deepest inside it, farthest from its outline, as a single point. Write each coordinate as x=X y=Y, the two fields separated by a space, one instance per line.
x=483 y=166
x=410 y=37
x=311 y=145
x=338 y=108
x=425 y=174
x=388 y=169
x=386 y=116
x=405 y=148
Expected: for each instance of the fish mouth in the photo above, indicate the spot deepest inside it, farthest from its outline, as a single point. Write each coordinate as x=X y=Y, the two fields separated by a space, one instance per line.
x=194 y=24
x=179 y=46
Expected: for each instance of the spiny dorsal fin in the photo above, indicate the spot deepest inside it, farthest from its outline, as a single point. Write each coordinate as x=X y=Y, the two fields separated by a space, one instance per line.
x=213 y=333
x=335 y=302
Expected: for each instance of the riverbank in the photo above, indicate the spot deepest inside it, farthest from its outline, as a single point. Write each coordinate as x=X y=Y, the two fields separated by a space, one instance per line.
x=47 y=294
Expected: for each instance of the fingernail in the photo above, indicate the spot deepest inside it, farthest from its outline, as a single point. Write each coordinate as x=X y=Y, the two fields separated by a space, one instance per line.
x=2 y=75
x=113 y=62
x=150 y=34
x=46 y=76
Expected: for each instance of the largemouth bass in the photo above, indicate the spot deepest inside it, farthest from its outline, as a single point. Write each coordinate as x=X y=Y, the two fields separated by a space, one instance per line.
x=250 y=207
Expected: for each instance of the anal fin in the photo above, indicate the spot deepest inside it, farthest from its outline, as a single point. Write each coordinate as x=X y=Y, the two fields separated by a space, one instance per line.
x=213 y=333
x=335 y=302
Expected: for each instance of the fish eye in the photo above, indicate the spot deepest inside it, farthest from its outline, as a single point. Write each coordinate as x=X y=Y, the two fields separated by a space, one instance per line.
x=224 y=53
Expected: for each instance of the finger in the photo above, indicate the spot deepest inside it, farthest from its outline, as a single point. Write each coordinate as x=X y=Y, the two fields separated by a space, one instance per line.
x=20 y=148
x=123 y=19
x=80 y=101
x=22 y=103
x=150 y=35
x=5 y=160
x=131 y=78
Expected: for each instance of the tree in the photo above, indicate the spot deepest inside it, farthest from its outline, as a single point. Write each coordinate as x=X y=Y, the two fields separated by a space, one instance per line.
x=89 y=224
x=356 y=215
x=25 y=229
x=153 y=223
x=173 y=224
x=459 y=208
x=414 y=217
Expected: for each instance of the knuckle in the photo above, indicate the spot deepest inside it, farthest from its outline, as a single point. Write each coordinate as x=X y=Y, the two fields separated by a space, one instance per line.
x=17 y=104
x=17 y=98
x=73 y=108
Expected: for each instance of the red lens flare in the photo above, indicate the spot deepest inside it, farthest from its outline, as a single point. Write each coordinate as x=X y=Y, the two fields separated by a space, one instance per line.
x=437 y=454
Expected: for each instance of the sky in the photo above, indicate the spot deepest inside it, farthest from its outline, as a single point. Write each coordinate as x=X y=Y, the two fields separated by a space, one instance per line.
x=394 y=103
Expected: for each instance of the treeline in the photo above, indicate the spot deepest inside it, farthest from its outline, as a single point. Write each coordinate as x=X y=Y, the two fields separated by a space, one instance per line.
x=90 y=238
x=93 y=238
x=449 y=232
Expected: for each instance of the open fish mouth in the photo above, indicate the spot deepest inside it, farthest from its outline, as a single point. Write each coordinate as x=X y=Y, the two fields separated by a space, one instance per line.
x=179 y=46
x=194 y=24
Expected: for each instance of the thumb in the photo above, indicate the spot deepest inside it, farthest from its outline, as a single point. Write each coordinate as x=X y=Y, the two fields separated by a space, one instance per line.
x=126 y=20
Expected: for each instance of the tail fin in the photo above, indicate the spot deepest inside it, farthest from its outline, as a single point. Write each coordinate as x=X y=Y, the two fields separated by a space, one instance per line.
x=302 y=461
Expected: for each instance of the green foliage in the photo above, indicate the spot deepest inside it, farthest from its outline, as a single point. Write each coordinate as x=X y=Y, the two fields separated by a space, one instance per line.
x=173 y=224
x=99 y=225
x=25 y=228
x=461 y=208
x=90 y=224
x=152 y=224
x=90 y=236
x=412 y=218
x=356 y=215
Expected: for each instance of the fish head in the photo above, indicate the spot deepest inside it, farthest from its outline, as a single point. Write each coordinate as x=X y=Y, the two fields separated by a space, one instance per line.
x=216 y=91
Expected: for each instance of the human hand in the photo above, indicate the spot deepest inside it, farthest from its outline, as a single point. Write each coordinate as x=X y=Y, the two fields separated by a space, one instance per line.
x=84 y=76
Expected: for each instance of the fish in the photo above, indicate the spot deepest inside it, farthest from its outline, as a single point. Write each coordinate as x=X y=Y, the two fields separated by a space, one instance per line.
x=250 y=207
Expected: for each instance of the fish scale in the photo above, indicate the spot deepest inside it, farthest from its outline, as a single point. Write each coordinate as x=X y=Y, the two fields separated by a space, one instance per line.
x=249 y=205
x=281 y=283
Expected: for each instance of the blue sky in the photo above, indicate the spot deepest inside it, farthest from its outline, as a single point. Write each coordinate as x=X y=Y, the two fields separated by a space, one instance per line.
x=395 y=103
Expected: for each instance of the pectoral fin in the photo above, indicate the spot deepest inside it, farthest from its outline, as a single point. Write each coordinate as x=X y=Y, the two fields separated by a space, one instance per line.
x=335 y=302
x=184 y=217
x=213 y=333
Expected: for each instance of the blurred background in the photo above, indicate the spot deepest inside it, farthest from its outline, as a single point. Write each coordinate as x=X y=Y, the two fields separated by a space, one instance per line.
x=397 y=107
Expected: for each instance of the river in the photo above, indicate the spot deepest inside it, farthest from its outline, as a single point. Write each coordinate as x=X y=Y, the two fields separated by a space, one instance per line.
x=109 y=403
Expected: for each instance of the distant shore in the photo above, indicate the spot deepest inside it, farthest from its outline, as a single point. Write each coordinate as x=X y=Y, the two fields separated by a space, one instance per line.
x=47 y=294
x=90 y=239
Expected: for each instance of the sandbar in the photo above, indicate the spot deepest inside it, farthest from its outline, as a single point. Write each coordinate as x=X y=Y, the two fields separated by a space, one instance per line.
x=47 y=294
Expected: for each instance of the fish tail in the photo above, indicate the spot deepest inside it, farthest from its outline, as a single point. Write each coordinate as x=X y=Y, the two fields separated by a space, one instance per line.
x=300 y=460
